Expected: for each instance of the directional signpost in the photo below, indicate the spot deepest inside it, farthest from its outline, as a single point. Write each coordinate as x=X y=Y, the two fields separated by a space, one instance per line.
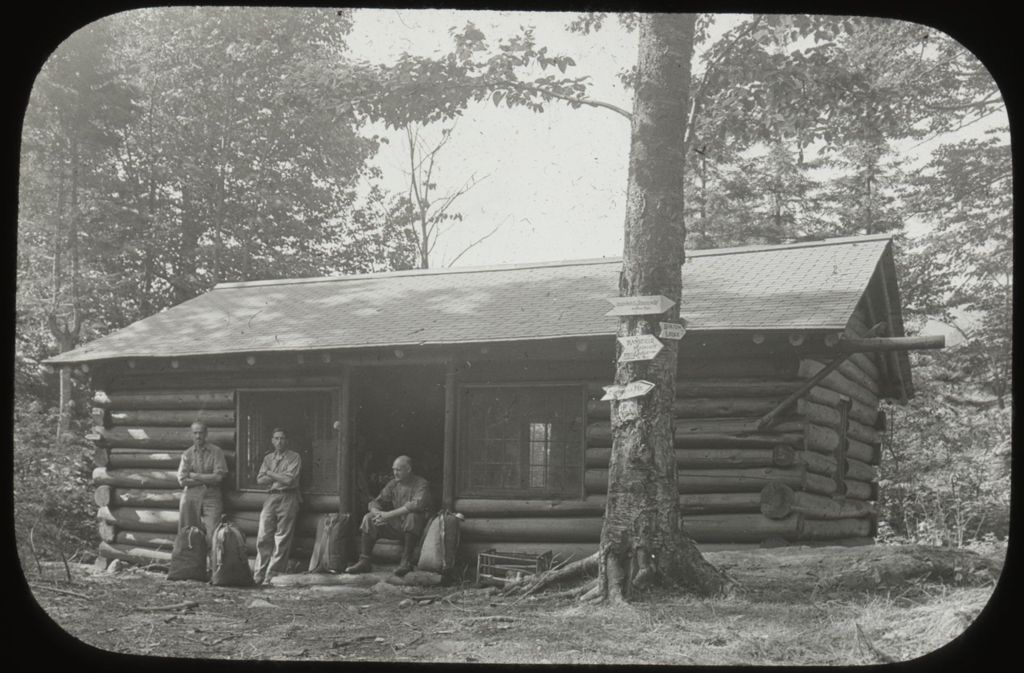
x=640 y=305
x=628 y=391
x=671 y=330
x=640 y=347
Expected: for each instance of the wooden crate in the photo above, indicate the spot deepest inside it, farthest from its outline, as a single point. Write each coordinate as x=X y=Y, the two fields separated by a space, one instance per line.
x=498 y=568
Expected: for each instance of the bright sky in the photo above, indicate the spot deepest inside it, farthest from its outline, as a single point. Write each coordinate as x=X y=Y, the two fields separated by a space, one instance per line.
x=556 y=181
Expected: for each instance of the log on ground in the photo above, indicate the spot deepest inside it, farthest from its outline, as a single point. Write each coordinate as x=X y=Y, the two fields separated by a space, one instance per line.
x=301 y=546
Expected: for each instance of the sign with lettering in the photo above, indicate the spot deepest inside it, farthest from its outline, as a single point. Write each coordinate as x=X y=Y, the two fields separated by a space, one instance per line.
x=640 y=305
x=628 y=391
x=671 y=330
x=640 y=347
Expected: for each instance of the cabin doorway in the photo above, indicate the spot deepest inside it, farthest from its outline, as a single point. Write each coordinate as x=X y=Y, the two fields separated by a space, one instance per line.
x=395 y=411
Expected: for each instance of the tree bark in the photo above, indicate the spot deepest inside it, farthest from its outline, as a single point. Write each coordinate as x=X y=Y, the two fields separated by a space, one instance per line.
x=642 y=540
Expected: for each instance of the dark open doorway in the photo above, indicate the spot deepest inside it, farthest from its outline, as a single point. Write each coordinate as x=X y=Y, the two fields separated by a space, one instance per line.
x=396 y=411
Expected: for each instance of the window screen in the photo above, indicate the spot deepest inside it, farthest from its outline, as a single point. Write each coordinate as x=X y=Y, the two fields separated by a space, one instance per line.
x=522 y=440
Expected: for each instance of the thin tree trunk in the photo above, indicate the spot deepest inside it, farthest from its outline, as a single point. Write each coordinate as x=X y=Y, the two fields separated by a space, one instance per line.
x=642 y=541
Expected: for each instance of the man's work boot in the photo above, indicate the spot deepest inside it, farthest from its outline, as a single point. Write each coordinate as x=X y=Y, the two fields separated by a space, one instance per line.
x=408 y=552
x=363 y=565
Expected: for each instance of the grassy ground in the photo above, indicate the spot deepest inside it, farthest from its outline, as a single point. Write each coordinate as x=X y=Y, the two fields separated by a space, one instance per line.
x=791 y=608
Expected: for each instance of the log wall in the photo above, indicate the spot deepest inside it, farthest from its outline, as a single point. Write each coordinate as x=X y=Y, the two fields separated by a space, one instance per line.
x=739 y=485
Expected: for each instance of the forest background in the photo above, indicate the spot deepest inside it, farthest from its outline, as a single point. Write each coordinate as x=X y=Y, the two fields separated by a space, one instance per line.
x=166 y=150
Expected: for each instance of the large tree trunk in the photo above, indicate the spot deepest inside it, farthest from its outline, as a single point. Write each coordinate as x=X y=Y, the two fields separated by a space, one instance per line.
x=642 y=541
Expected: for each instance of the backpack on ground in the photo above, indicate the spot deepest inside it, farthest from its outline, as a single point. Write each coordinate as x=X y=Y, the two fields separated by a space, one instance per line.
x=326 y=557
x=440 y=543
x=188 y=558
x=230 y=562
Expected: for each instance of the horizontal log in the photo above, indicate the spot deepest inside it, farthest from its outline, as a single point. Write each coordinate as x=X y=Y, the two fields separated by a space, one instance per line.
x=741 y=527
x=867 y=366
x=136 y=478
x=739 y=480
x=836 y=528
x=301 y=546
x=778 y=456
x=861 y=471
x=470 y=551
x=120 y=459
x=134 y=554
x=859 y=411
x=825 y=415
x=140 y=497
x=779 y=500
x=860 y=490
x=718 y=388
x=252 y=501
x=594 y=505
x=504 y=508
x=163 y=438
x=152 y=520
x=539 y=529
x=837 y=382
x=701 y=407
x=166 y=399
x=130 y=383
x=713 y=432
x=214 y=418
x=825 y=440
x=817 y=463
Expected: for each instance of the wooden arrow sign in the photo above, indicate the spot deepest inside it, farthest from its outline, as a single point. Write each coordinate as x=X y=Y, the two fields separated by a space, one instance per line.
x=671 y=330
x=637 y=388
x=641 y=347
x=640 y=305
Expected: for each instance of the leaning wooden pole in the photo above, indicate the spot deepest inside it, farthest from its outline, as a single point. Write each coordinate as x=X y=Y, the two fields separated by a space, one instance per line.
x=768 y=419
x=344 y=476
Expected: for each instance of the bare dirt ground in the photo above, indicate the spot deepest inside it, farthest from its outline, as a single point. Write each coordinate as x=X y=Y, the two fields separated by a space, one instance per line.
x=792 y=606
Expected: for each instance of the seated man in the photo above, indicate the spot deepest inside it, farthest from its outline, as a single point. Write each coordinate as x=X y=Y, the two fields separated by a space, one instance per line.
x=398 y=513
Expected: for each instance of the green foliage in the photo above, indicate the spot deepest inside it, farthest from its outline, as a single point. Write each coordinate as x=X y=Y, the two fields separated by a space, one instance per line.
x=53 y=507
x=946 y=464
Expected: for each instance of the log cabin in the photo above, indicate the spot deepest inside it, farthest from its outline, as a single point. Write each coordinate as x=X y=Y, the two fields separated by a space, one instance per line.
x=491 y=380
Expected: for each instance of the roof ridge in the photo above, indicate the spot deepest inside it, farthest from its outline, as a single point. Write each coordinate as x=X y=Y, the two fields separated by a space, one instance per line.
x=706 y=252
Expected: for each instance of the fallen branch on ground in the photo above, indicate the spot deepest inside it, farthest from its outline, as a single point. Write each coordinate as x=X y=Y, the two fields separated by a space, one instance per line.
x=351 y=641
x=59 y=591
x=545 y=579
x=164 y=608
x=877 y=653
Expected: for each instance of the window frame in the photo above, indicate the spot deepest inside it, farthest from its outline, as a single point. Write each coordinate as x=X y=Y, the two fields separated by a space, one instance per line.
x=462 y=439
x=333 y=392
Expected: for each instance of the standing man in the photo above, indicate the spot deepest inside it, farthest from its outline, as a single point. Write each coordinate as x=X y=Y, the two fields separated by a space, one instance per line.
x=280 y=473
x=398 y=513
x=200 y=472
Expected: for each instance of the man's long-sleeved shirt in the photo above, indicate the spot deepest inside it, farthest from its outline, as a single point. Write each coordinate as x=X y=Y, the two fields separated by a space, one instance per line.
x=287 y=463
x=415 y=495
x=206 y=460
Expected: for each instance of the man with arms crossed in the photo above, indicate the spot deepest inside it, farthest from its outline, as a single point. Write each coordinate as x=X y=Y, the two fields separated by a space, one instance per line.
x=280 y=473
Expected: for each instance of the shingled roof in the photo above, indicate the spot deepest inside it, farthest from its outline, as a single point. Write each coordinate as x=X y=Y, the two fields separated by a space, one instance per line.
x=808 y=286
